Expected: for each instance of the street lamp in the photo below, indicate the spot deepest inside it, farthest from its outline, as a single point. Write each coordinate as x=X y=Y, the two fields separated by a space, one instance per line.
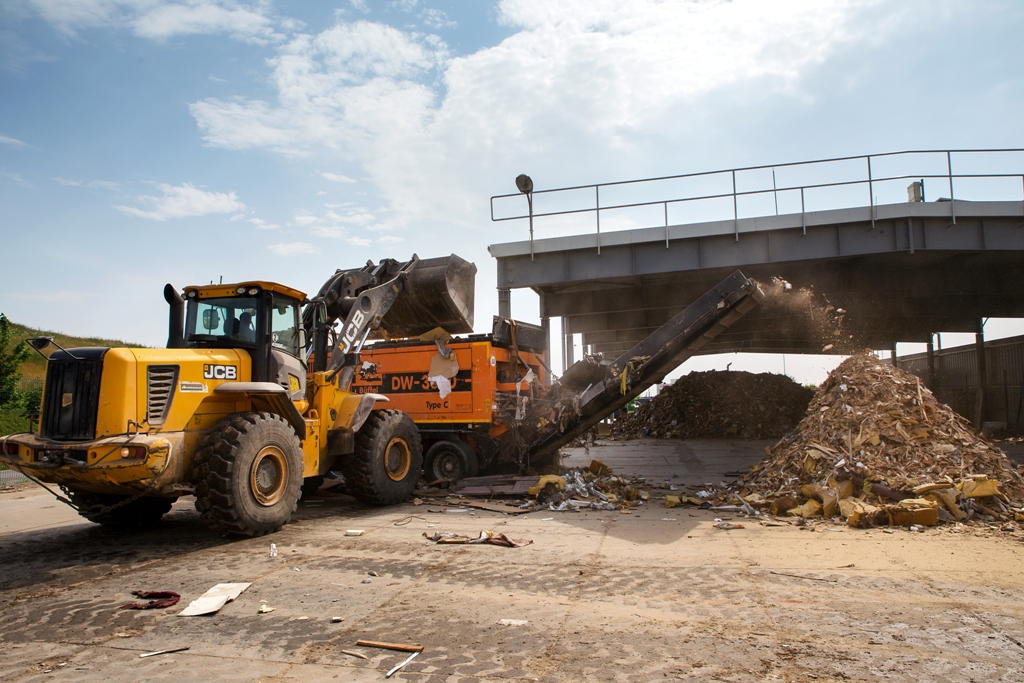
x=525 y=185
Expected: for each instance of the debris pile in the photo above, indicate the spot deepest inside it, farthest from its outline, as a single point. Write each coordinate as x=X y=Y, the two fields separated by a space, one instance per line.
x=589 y=488
x=877 y=448
x=719 y=404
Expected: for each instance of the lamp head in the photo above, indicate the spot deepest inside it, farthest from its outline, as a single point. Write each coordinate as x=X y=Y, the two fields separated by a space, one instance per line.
x=524 y=183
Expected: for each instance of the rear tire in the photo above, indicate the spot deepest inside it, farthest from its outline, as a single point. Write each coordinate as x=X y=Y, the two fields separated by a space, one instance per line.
x=248 y=474
x=139 y=514
x=386 y=464
x=452 y=460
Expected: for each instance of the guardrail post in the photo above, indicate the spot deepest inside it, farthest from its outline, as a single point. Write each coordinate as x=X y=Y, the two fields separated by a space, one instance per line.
x=529 y=200
x=775 y=192
x=665 y=204
x=952 y=199
x=735 y=213
x=871 y=192
x=597 y=211
x=803 y=213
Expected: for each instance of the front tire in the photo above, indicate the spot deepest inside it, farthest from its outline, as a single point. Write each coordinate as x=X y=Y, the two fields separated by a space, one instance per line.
x=248 y=474
x=141 y=513
x=386 y=464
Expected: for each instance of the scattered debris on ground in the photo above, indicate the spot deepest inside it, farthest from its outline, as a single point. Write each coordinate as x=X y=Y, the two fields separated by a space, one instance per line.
x=719 y=404
x=157 y=600
x=212 y=600
x=485 y=537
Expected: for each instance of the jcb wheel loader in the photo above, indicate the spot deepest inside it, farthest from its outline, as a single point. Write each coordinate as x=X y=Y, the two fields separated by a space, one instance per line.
x=231 y=410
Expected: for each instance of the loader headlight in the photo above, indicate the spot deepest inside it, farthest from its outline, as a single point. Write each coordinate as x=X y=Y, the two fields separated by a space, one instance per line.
x=240 y=290
x=253 y=291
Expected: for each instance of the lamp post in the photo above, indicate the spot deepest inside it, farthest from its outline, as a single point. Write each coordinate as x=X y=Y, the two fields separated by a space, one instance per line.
x=525 y=185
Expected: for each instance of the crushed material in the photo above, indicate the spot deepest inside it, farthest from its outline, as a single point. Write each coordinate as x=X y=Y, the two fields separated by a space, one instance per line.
x=878 y=449
x=719 y=404
x=594 y=487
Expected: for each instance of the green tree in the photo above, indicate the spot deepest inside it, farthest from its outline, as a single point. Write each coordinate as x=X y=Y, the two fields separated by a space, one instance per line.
x=10 y=366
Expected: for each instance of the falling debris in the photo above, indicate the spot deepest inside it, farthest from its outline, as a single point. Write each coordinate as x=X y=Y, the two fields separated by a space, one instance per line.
x=718 y=404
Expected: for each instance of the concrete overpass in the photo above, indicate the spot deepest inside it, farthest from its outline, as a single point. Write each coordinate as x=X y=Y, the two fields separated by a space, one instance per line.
x=901 y=270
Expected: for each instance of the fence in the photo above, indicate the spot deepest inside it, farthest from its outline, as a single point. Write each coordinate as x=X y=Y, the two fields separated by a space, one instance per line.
x=8 y=477
x=745 y=192
x=956 y=379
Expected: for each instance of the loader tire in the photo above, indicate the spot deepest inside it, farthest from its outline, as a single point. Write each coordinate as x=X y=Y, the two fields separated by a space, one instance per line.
x=452 y=460
x=386 y=464
x=247 y=474
x=141 y=513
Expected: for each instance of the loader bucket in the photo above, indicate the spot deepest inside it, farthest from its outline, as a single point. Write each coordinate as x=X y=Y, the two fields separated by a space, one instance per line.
x=439 y=292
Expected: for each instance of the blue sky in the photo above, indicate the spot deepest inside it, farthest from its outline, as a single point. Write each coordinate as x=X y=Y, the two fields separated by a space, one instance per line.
x=153 y=141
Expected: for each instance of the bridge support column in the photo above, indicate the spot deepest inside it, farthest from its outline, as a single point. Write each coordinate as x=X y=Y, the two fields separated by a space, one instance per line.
x=931 y=362
x=504 y=303
x=979 y=401
x=566 y=345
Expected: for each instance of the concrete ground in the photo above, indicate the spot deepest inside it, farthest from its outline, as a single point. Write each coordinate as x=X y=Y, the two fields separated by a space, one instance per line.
x=657 y=594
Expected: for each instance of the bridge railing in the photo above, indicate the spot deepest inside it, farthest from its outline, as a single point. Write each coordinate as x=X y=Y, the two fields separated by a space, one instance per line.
x=755 y=191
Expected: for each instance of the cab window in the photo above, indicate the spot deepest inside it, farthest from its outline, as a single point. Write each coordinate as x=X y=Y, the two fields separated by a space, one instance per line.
x=285 y=324
x=220 y=319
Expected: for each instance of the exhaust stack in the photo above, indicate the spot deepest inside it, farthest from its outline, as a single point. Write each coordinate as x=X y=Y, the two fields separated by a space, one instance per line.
x=176 y=320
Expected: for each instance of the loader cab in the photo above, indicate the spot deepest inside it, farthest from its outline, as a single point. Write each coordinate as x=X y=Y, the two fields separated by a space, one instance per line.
x=260 y=318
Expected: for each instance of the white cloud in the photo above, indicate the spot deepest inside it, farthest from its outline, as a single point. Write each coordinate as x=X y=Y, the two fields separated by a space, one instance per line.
x=263 y=225
x=94 y=184
x=390 y=239
x=292 y=248
x=160 y=19
x=332 y=224
x=12 y=142
x=193 y=17
x=13 y=177
x=359 y=241
x=435 y=18
x=337 y=178
x=580 y=80
x=184 y=201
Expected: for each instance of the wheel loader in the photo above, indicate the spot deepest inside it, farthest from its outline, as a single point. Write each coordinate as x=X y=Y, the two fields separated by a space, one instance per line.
x=251 y=397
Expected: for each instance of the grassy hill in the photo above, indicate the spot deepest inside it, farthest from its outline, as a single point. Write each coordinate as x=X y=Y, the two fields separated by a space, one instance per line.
x=34 y=369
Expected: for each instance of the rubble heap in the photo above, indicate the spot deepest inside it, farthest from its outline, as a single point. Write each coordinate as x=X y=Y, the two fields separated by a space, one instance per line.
x=878 y=448
x=718 y=404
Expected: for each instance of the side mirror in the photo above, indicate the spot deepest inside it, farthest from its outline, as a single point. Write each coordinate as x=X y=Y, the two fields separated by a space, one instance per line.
x=39 y=343
x=302 y=338
x=211 y=319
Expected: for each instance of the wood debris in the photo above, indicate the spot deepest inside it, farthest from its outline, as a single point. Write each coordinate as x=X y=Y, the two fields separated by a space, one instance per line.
x=877 y=448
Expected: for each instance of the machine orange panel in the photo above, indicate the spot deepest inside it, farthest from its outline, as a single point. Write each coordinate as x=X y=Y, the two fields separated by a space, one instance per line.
x=401 y=372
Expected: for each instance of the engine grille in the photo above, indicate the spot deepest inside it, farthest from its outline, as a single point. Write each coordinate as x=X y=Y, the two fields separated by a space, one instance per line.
x=72 y=394
x=160 y=383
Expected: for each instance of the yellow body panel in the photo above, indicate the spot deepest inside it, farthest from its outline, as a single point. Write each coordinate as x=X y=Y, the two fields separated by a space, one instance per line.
x=170 y=446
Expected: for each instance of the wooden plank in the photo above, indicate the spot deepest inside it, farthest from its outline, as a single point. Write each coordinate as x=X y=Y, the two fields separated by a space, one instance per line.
x=495 y=507
x=401 y=647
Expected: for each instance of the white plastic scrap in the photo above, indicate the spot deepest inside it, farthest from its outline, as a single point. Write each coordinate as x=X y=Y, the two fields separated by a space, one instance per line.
x=212 y=600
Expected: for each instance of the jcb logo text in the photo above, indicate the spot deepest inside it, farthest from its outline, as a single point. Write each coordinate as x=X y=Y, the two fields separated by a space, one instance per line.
x=220 y=372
